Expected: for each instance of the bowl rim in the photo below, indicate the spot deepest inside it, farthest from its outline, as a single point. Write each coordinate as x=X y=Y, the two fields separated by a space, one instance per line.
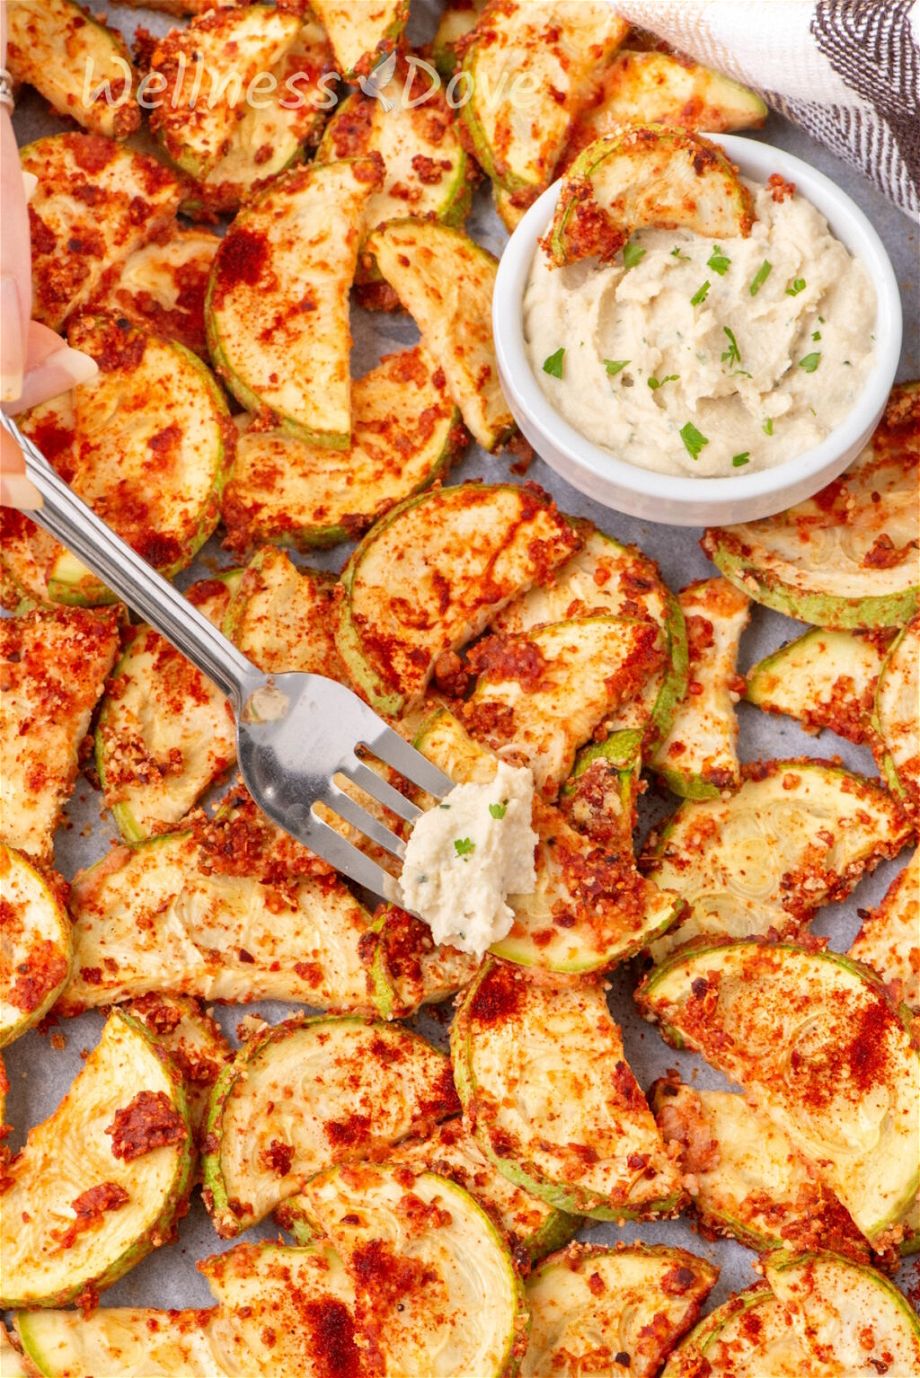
x=849 y=224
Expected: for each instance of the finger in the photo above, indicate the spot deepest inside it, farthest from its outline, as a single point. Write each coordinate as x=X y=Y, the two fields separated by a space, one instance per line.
x=15 y=489
x=60 y=371
x=41 y=341
x=15 y=265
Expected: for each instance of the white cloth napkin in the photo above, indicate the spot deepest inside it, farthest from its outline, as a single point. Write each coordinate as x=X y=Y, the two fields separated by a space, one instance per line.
x=848 y=71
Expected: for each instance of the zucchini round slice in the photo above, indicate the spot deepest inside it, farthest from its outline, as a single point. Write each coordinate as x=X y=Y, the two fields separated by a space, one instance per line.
x=591 y=1307
x=35 y=945
x=889 y=940
x=848 y=556
x=405 y=432
x=590 y=908
x=547 y=1092
x=165 y=915
x=308 y=1093
x=100 y=1183
x=83 y=216
x=277 y=303
x=192 y=1040
x=154 y=410
x=748 y=1336
x=280 y=616
x=851 y=1316
x=445 y=281
x=824 y=679
x=795 y=836
x=646 y=175
x=165 y=733
x=813 y=1037
x=362 y=34
x=432 y=573
x=897 y=715
x=161 y=287
x=432 y=1275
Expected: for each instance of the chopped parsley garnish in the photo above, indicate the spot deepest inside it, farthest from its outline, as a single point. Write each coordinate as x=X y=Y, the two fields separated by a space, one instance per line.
x=633 y=254
x=655 y=383
x=816 y=334
x=768 y=426
x=760 y=277
x=810 y=362
x=463 y=846
x=444 y=806
x=615 y=366
x=701 y=293
x=718 y=261
x=679 y=253
x=739 y=460
x=499 y=810
x=553 y=365
x=732 y=355
x=796 y=286
x=693 y=440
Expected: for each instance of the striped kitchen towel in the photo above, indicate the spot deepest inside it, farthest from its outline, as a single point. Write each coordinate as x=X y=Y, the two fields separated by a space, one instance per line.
x=848 y=71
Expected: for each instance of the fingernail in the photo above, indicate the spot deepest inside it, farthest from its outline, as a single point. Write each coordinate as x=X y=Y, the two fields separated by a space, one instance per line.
x=18 y=491
x=79 y=367
x=11 y=339
x=29 y=183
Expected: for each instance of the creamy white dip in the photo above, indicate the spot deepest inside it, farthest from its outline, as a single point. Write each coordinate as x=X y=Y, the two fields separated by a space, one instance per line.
x=707 y=359
x=467 y=854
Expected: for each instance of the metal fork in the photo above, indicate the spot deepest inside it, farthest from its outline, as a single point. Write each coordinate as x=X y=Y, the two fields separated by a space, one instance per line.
x=294 y=732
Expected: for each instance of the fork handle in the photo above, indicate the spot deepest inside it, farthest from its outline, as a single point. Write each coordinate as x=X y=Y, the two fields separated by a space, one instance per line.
x=122 y=570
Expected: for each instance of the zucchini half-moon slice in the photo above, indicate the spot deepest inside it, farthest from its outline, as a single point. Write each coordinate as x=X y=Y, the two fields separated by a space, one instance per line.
x=590 y=909
x=645 y=175
x=897 y=715
x=748 y=1336
x=280 y=616
x=851 y=1316
x=814 y=1039
x=165 y=916
x=620 y=1309
x=35 y=944
x=405 y=432
x=13 y=1363
x=361 y=35
x=277 y=303
x=434 y=1281
x=823 y=679
x=192 y=1039
x=432 y=573
x=408 y=970
x=795 y=836
x=848 y=557
x=889 y=940
x=309 y=1093
x=147 y=444
x=445 y=281
x=161 y=287
x=698 y=759
x=457 y=19
x=100 y=1183
x=548 y=1093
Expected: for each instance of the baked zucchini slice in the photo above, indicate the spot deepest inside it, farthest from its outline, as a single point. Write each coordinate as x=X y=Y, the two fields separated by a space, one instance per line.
x=457 y=19
x=280 y=616
x=823 y=679
x=897 y=715
x=595 y=1306
x=698 y=759
x=361 y=35
x=306 y=1094
x=795 y=836
x=645 y=175
x=846 y=558
x=80 y=65
x=54 y=664
x=813 y=1038
x=445 y=281
x=26 y=555
x=165 y=733
x=659 y=88
x=277 y=303
x=193 y=1041
x=432 y=1275
x=408 y=969
x=163 y=915
x=161 y=287
x=889 y=940
x=405 y=433
x=101 y=1182
x=850 y=1315
x=544 y=692
x=548 y=1093
x=83 y=216
x=529 y=70
x=745 y=1178
x=154 y=410
x=35 y=944
x=280 y=1310
x=13 y=1363
x=590 y=908
x=748 y=1336
x=432 y=573
x=426 y=170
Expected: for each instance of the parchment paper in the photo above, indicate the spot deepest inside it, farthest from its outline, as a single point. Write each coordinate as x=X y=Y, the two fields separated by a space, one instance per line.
x=41 y=1074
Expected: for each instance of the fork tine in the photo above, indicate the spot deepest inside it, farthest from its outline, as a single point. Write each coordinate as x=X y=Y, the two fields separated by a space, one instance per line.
x=352 y=812
x=350 y=861
x=381 y=790
x=396 y=752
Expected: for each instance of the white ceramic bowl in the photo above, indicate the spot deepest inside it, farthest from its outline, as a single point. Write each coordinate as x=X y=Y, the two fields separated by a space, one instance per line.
x=677 y=499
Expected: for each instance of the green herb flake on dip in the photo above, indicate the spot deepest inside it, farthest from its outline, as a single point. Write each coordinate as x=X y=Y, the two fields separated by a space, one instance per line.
x=739 y=364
